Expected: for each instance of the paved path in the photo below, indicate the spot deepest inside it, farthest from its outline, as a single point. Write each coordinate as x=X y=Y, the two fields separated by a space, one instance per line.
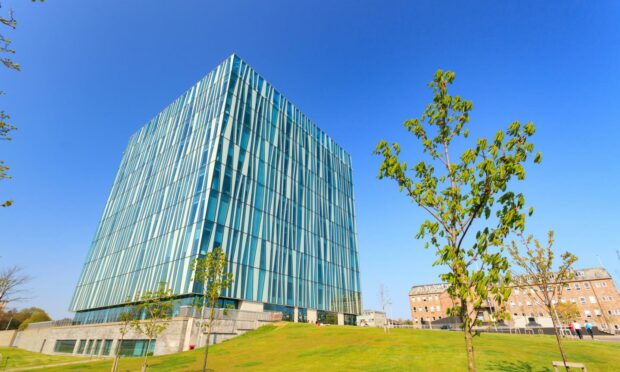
x=610 y=338
x=52 y=365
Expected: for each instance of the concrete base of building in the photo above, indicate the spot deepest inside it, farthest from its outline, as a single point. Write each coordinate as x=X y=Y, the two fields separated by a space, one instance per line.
x=181 y=334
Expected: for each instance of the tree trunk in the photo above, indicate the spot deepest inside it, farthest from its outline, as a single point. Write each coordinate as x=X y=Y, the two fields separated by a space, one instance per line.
x=116 y=356
x=469 y=345
x=146 y=355
x=469 y=340
x=558 y=337
x=204 y=360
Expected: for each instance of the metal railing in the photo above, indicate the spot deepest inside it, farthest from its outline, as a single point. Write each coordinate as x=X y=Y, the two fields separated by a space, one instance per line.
x=233 y=314
x=51 y=323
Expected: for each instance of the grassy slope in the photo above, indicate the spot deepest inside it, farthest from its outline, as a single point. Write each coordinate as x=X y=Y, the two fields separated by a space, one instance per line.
x=18 y=358
x=288 y=346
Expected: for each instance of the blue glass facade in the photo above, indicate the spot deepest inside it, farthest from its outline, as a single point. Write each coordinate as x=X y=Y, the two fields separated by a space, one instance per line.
x=230 y=163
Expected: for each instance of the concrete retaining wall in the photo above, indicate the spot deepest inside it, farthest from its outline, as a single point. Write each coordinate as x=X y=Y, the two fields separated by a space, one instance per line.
x=6 y=337
x=43 y=339
x=178 y=336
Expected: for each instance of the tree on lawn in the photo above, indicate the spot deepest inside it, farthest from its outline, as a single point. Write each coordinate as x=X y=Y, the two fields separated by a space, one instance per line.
x=567 y=312
x=538 y=273
x=155 y=307
x=126 y=318
x=209 y=272
x=385 y=301
x=457 y=192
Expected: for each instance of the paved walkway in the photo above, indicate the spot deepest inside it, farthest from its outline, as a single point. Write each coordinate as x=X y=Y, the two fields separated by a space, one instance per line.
x=52 y=365
x=608 y=338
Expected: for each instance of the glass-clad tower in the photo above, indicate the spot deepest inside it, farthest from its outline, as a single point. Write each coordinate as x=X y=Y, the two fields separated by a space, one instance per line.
x=230 y=163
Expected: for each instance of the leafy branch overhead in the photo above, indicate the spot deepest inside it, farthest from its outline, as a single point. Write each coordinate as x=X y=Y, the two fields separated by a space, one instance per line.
x=6 y=51
x=6 y=127
x=458 y=191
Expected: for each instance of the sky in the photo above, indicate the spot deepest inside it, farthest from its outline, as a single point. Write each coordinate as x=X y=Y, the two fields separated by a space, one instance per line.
x=95 y=72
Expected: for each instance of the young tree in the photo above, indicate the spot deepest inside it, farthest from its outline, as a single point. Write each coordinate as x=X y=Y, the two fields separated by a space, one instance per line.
x=209 y=272
x=566 y=311
x=539 y=274
x=125 y=318
x=385 y=301
x=457 y=192
x=156 y=309
x=12 y=281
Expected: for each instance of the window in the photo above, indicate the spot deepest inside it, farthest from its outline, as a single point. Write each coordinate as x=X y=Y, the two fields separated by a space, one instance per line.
x=528 y=303
x=592 y=299
x=567 y=287
x=604 y=284
x=64 y=346
x=327 y=317
x=597 y=312
x=580 y=273
x=586 y=285
x=89 y=345
x=573 y=300
x=97 y=347
x=302 y=314
x=512 y=303
x=288 y=313
x=349 y=319
x=597 y=285
x=136 y=347
x=80 y=349
x=577 y=287
x=563 y=300
x=107 y=346
x=587 y=313
x=438 y=309
x=516 y=290
x=414 y=309
x=582 y=300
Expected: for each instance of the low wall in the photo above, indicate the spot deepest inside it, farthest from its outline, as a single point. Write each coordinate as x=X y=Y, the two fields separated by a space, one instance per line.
x=40 y=339
x=179 y=335
x=6 y=337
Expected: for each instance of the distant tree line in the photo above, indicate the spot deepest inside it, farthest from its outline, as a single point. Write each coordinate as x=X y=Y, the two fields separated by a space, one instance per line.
x=19 y=319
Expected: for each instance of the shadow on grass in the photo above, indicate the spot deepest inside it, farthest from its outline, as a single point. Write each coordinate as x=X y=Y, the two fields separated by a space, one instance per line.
x=515 y=366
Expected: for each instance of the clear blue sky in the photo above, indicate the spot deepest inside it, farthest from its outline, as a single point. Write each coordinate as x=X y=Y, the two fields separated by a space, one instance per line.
x=96 y=71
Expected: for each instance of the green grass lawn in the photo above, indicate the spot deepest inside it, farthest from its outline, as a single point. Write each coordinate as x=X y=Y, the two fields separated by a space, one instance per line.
x=289 y=346
x=18 y=358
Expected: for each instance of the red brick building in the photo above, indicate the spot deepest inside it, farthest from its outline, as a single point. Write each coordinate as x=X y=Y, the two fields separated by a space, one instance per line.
x=592 y=291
